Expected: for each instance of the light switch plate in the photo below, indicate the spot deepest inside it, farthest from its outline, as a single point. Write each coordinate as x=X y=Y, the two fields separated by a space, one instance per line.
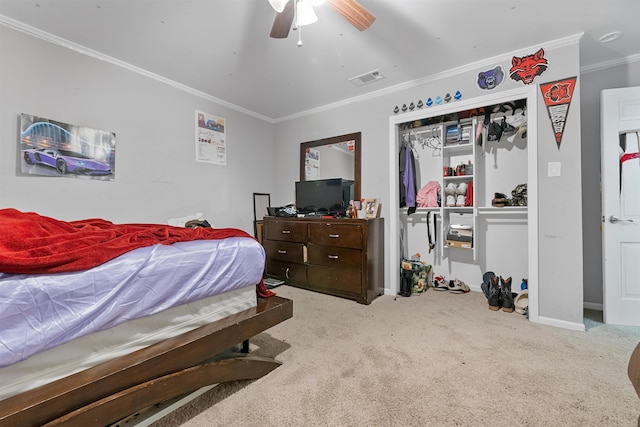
x=553 y=169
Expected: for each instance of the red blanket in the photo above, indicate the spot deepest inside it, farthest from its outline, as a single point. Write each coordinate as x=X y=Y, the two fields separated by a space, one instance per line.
x=32 y=243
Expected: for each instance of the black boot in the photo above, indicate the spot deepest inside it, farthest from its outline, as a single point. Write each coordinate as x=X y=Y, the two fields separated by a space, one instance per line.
x=507 y=296
x=495 y=294
x=486 y=283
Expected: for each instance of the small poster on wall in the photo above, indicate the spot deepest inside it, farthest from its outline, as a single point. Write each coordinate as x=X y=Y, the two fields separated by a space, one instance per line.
x=211 y=144
x=57 y=149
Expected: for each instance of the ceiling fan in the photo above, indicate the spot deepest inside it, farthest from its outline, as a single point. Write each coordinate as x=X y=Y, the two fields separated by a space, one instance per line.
x=287 y=10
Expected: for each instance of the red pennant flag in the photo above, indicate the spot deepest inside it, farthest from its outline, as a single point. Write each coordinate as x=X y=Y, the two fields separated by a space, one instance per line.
x=557 y=97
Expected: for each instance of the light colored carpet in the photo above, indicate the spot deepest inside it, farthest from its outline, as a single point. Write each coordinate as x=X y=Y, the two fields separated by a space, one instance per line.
x=436 y=359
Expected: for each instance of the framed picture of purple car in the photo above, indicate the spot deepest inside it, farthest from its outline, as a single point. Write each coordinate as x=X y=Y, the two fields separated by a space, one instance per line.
x=372 y=207
x=55 y=149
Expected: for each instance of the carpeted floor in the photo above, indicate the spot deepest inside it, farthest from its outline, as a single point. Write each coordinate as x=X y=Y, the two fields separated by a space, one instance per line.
x=436 y=359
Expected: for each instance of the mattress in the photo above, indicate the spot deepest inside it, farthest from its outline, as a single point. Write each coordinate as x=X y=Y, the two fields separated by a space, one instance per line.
x=95 y=348
x=40 y=312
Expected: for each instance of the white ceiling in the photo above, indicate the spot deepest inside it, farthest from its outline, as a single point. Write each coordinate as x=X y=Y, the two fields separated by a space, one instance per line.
x=222 y=47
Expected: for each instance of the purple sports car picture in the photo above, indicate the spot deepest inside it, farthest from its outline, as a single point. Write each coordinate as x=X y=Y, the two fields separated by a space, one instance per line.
x=66 y=162
x=56 y=149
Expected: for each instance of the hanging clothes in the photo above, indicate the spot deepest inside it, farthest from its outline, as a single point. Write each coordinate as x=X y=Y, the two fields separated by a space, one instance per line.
x=401 y=189
x=630 y=173
x=408 y=184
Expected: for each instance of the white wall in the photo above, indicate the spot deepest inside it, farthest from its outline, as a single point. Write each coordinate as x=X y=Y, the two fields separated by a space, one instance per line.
x=593 y=83
x=157 y=177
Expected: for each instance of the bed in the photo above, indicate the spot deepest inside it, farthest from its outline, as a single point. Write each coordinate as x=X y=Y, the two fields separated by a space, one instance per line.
x=100 y=320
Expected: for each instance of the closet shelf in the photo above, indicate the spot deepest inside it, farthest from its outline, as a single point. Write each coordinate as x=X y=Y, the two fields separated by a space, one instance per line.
x=492 y=210
x=458 y=208
x=420 y=211
x=458 y=146
x=455 y=177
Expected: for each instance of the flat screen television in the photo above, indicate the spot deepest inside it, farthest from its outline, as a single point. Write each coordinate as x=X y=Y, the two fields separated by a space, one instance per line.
x=324 y=196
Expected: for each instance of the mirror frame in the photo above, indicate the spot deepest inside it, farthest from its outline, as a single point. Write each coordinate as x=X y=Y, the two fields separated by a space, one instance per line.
x=356 y=136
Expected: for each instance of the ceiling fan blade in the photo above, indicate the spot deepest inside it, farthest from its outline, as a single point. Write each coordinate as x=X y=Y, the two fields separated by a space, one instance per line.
x=353 y=12
x=282 y=22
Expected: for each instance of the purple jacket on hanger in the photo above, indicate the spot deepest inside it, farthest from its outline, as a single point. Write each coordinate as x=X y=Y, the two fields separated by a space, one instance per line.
x=409 y=180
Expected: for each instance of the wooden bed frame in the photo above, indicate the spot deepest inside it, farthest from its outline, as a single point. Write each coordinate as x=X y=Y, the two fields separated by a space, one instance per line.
x=113 y=390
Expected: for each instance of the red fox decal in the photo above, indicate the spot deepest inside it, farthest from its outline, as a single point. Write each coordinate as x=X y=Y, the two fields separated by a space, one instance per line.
x=527 y=68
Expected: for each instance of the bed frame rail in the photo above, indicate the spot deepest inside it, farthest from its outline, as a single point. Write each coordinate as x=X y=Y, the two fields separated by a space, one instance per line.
x=115 y=389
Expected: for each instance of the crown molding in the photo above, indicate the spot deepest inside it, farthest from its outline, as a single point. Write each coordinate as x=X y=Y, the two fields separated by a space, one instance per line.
x=83 y=50
x=554 y=44
x=558 y=43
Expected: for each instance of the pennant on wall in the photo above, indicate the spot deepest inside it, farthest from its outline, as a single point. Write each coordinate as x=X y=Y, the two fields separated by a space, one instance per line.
x=557 y=97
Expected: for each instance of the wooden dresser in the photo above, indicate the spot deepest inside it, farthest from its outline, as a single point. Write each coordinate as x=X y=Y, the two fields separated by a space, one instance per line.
x=341 y=257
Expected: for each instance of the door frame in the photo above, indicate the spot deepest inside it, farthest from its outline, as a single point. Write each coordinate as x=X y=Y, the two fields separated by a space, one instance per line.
x=531 y=96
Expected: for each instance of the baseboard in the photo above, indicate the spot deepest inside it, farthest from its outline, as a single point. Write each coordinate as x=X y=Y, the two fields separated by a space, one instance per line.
x=593 y=306
x=561 y=323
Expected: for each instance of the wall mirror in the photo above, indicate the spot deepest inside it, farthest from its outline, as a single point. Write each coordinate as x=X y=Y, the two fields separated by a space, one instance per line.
x=335 y=157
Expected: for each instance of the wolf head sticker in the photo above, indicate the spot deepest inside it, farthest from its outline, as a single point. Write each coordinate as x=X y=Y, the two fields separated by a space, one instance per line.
x=527 y=68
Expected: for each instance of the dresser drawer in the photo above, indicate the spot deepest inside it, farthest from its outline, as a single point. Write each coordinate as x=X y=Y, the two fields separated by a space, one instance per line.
x=331 y=234
x=334 y=256
x=290 y=272
x=288 y=231
x=285 y=251
x=338 y=280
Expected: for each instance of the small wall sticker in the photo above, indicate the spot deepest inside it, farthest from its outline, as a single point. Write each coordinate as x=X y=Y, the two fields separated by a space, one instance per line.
x=490 y=79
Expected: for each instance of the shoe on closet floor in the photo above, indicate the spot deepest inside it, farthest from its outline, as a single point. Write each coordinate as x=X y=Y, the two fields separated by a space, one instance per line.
x=506 y=297
x=486 y=283
x=440 y=284
x=458 y=287
x=522 y=302
x=495 y=299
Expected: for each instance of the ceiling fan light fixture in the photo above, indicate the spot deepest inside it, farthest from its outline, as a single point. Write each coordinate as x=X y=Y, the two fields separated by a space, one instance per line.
x=278 y=5
x=305 y=14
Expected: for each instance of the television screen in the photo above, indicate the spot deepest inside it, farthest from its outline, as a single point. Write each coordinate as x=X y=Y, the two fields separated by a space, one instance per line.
x=325 y=196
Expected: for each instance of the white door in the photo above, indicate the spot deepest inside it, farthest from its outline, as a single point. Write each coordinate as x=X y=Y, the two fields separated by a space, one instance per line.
x=620 y=140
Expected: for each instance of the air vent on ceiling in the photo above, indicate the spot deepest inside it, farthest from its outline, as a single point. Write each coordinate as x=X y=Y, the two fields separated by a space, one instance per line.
x=366 y=78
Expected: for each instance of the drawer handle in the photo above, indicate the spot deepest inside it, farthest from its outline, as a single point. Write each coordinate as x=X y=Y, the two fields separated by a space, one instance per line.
x=334 y=236
x=280 y=251
x=286 y=273
x=332 y=256
x=286 y=231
